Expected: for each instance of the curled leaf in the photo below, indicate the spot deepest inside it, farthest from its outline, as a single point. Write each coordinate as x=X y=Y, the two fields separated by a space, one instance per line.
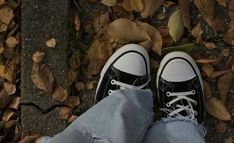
x=150 y=7
x=60 y=94
x=207 y=61
x=38 y=56
x=6 y=15
x=208 y=69
x=42 y=77
x=185 y=12
x=216 y=108
x=65 y=113
x=109 y=2
x=224 y=84
x=175 y=25
x=207 y=90
x=51 y=43
x=77 y=23
x=11 y=42
x=127 y=5
x=197 y=32
x=10 y=88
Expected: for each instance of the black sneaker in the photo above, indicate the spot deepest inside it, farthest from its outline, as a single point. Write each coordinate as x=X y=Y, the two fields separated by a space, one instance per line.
x=127 y=68
x=180 y=87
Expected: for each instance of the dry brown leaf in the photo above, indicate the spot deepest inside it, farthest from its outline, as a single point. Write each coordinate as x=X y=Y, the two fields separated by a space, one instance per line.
x=229 y=140
x=72 y=118
x=185 y=12
x=60 y=94
x=221 y=127
x=207 y=61
x=72 y=101
x=3 y=27
x=175 y=25
x=42 y=77
x=161 y=16
x=229 y=37
x=210 y=45
x=77 y=23
x=29 y=138
x=90 y=85
x=137 y=5
x=6 y=15
x=168 y=3
x=208 y=69
x=5 y=73
x=1 y=48
x=127 y=5
x=2 y=2
x=222 y=2
x=38 y=56
x=197 y=32
x=216 y=108
x=15 y=103
x=98 y=55
x=150 y=7
x=51 y=43
x=80 y=86
x=11 y=42
x=5 y=99
x=206 y=8
x=65 y=113
x=224 y=84
x=218 y=73
x=8 y=115
x=10 y=88
x=109 y=2
x=147 y=45
x=137 y=32
x=207 y=90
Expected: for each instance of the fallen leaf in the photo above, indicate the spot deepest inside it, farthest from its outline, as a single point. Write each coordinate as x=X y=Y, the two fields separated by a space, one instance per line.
x=65 y=113
x=5 y=99
x=207 y=90
x=77 y=23
x=72 y=118
x=11 y=42
x=72 y=101
x=207 y=61
x=175 y=25
x=2 y=2
x=80 y=86
x=150 y=7
x=29 y=138
x=100 y=22
x=3 y=27
x=8 y=115
x=208 y=69
x=185 y=12
x=161 y=16
x=229 y=37
x=197 y=32
x=6 y=15
x=42 y=77
x=90 y=85
x=224 y=84
x=229 y=140
x=168 y=3
x=147 y=45
x=15 y=103
x=216 y=108
x=137 y=5
x=38 y=56
x=218 y=73
x=51 y=43
x=10 y=88
x=188 y=48
x=60 y=94
x=222 y=2
x=75 y=60
x=210 y=45
x=5 y=73
x=109 y=2
x=127 y=5
x=221 y=127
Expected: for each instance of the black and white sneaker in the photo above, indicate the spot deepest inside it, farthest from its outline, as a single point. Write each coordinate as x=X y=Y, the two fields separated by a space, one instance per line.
x=127 y=68
x=180 y=87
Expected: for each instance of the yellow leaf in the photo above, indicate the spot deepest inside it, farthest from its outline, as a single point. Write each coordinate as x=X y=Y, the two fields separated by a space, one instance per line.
x=216 y=108
x=11 y=42
x=137 y=5
x=109 y=2
x=51 y=43
x=176 y=26
x=6 y=15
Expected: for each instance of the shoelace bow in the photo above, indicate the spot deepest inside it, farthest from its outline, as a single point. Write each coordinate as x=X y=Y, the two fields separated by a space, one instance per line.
x=173 y=112
x=126 y=86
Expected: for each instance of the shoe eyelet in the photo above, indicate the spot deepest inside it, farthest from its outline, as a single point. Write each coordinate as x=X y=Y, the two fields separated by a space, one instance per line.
x=168 y=94
x=168 y=105
x=193 y=92
x=195 y=113
x=109 y=92
x=112 y=82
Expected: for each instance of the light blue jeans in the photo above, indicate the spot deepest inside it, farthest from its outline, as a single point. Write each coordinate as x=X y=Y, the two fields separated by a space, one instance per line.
x=127 y=116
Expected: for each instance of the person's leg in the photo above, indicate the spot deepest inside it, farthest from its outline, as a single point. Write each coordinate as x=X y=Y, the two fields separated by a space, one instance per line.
x=125 y=115
x=180 y=93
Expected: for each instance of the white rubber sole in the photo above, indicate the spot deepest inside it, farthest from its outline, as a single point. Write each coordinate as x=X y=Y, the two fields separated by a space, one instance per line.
x=179 y=55
x=119 y=52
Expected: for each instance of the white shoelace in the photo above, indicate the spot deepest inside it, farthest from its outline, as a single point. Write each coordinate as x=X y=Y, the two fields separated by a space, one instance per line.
x=126 y=86
x=179 y=108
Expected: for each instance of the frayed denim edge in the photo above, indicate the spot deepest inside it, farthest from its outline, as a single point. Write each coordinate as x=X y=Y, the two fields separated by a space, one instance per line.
x=201 y=127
